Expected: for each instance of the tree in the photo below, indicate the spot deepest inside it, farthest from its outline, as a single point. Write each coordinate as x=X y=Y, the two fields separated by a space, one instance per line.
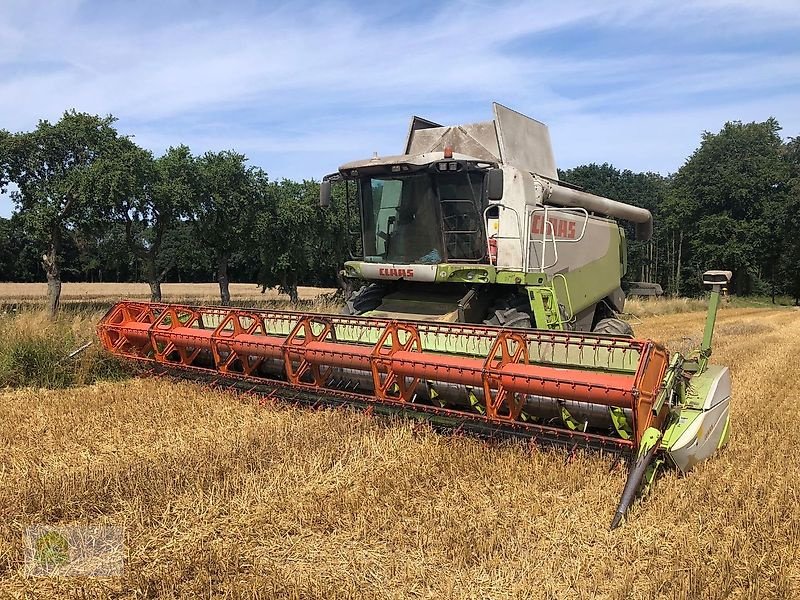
x=102 y=255
x=789 y=269
x=187 y=252
x=53 y=169
x=225 y=208
x=299 y=242
x=19 y=259
x=734 y=185
x=5 y=148
x=150 y=197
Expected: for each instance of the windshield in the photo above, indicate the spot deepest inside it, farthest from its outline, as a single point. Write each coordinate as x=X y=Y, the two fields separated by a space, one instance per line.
x=423 y=218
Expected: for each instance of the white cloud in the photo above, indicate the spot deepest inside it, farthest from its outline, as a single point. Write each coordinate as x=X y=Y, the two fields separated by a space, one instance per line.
x=299 y=87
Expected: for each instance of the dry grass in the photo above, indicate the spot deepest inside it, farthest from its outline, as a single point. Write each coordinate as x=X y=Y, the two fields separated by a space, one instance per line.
x=37 y=351
x=652 y=306
x=222 y=497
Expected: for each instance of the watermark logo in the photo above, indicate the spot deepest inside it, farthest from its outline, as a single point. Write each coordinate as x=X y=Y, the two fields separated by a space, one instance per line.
x=74 y=550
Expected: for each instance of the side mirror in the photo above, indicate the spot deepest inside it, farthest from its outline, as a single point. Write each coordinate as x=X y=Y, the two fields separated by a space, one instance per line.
x=325 y=193
x=494 y=185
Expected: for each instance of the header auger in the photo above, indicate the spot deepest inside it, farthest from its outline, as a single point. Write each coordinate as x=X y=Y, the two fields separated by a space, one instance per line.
x=567 y=389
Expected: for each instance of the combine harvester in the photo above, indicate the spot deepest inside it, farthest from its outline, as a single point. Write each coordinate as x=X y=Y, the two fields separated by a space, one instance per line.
x=489 y=305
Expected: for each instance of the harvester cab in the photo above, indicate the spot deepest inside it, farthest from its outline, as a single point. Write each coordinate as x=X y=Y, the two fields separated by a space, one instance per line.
x=471 y=224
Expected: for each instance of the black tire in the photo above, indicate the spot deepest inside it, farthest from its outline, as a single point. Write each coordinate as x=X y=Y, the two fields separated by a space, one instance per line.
x=509 y=317
x=614 y=326
x=367 y=298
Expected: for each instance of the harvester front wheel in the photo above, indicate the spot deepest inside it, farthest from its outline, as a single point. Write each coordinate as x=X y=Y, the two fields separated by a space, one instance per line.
x=366 y=298
x=509 y=317
x=614 y=326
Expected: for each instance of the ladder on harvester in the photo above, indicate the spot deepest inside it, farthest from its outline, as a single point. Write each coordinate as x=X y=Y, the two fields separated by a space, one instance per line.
x=546 y=308
x=544 y=299
x=548 y=312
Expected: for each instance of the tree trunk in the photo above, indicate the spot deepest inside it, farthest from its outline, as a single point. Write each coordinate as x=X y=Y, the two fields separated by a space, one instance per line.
x=654 y=273
x=153 y=279
x=222 y=278
x=53 y=294
x=53 y=272
x=289 y=286
x=772 y=280
x=678 y=265
x=155 y=290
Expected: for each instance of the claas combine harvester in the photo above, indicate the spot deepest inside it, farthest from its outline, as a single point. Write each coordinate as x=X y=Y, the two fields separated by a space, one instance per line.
x=487 y=301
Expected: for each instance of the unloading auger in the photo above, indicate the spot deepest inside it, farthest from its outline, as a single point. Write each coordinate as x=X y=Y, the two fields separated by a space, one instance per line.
x=561 y=388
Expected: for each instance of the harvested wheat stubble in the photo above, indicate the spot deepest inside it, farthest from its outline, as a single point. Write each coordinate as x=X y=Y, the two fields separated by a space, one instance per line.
x=220 y=496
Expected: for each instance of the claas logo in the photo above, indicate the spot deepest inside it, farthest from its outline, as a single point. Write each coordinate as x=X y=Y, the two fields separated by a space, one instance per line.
x=393 y=272
x=562 y=228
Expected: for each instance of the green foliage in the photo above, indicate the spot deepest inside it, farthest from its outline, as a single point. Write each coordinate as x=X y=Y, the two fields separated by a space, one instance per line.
x=35 y=351
x=299 y=242
x=224 y=208
x=19 y=253
x=149 y=196
x=54 y=168
x=734 y=187
x=732 y=205
x=789 y=258
x=190 y=259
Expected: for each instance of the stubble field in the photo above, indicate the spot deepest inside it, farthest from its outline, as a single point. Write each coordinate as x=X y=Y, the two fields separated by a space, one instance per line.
x=220 y=495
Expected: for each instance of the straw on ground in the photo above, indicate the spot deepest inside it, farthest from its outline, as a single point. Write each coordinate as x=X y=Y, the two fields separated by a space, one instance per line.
x=221 y=495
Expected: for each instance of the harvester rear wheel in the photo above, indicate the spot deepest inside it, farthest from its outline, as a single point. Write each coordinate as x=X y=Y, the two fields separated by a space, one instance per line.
x=614 y=326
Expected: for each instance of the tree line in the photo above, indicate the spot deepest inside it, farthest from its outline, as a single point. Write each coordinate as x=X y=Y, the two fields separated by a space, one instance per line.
x=734 y=204
x=91 y=205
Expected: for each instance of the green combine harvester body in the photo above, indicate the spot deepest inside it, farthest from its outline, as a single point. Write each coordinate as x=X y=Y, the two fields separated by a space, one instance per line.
x=488 y=304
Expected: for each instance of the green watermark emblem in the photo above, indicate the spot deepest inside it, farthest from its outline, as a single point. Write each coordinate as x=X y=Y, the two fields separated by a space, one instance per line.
x=74 y=551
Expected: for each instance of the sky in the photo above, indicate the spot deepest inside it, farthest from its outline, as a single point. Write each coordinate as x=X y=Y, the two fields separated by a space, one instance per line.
x=302 y=87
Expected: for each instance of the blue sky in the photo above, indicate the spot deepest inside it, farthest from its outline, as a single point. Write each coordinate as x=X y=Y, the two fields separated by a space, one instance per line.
x=302 y=87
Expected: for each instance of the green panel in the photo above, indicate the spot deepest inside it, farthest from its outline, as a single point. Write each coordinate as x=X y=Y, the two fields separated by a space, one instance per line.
x=465 y=273
x=544 y=304
x=592 y=282
x=352 y=268
x=620 y=421
x=511 y=277
x=650 y=438
x=604 y=355
x=708 y=333
x=726 y=433
x=695 y=397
